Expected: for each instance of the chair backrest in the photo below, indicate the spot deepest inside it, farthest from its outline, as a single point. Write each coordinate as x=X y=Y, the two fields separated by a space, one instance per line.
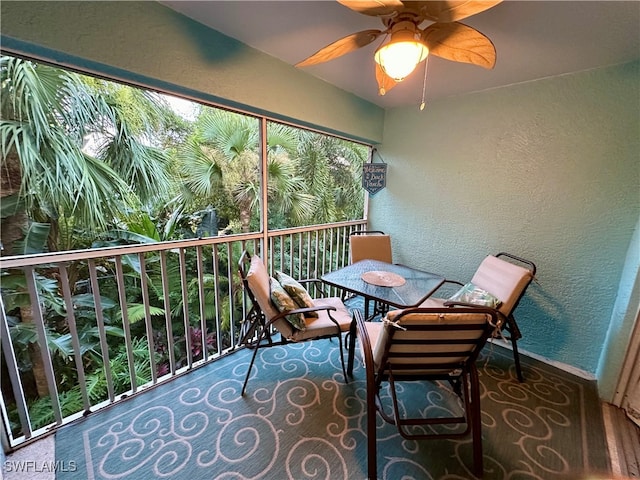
x=504 y=280
x=419 y=342
x=256 y=282
x=370 y=245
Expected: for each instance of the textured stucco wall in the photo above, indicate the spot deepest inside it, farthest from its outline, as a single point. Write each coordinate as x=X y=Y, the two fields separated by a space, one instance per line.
x=547 y=170
x=149 y=43
x=623 y=318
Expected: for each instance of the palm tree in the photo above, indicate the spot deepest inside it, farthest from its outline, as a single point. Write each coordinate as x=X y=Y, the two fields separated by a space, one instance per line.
x=45 y=173
x=221 y=165
x=47 y=116
x=332 y=170
x=41 y=136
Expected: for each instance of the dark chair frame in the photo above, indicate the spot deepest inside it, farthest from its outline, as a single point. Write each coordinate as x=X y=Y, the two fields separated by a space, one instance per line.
x=462 y=375
x=508 y=323
x=256 y=328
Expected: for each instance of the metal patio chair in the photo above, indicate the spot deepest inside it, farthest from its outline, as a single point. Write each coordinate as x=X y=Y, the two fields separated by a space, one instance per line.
x=506 y=277
x=424 y=344
x=333 y=318
x=371 y=245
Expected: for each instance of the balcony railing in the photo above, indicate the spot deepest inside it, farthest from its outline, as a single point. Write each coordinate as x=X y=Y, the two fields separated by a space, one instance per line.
x=85 y=329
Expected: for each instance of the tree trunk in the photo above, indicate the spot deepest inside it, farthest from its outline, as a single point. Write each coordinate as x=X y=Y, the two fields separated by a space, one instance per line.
x=37 y=365
x=11 y=229
x=245 y=216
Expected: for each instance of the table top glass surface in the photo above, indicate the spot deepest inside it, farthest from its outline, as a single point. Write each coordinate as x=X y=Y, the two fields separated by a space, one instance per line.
x=418 y=287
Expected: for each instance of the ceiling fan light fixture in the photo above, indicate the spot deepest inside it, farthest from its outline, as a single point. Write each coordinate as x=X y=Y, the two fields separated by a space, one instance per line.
x=403 y=53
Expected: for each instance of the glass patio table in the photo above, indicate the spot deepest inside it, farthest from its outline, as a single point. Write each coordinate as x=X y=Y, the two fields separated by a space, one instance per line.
x=391 y=284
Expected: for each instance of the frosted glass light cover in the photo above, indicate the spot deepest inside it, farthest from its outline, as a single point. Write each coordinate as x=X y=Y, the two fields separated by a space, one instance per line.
x=399 y=59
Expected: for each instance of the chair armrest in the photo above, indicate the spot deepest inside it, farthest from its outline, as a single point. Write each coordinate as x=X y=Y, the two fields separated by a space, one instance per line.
x=317 y=283
x=501 y=320
x=451 y=303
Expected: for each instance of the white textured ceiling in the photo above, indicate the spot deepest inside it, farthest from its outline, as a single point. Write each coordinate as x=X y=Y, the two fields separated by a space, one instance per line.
x=533 y=40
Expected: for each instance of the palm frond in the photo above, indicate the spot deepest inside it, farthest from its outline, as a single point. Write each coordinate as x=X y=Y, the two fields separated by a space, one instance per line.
x=136 y=312
x=230 y=133
x=201 y=169
x=281 y=137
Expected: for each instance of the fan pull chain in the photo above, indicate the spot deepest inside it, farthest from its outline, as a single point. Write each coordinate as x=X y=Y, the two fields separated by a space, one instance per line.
x=424 y=83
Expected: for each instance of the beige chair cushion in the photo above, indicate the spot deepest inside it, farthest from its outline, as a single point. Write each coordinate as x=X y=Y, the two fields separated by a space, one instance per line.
x=379 y=333
x=370 y=247
x=258 y=280
x=374 y=329
x=502 y=279
x=323 y=325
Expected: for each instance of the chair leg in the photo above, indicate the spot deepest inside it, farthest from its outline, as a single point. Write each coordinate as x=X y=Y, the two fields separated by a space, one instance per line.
x=253 y=359
x=372 y=454
x=475 y=418
x=515 y=334
x=344 y=370
x=379 y=309
x=516 y=358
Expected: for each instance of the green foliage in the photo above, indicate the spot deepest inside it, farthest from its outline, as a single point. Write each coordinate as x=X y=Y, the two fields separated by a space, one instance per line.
x=41 y=410
x=102 y=164
x=136 y=312
x=15 y=294
x=45 y=126
x=11 y=205
x=34 y=240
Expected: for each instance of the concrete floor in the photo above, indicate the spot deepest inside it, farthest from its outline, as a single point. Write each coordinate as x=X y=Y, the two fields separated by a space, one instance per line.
x=33 y=462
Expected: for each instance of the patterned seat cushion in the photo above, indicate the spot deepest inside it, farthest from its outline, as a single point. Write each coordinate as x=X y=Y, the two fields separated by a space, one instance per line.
x=471 y=293
x=297 y=292
x=284 y=302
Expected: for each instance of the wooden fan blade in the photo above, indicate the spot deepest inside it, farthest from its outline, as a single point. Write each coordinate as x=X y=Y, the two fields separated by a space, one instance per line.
x=373 y=7
x=385 y=82
x=459 y=43
x=340 y=47
x=451 y=11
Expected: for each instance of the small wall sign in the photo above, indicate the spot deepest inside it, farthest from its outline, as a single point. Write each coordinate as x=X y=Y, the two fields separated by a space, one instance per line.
x=374 y=177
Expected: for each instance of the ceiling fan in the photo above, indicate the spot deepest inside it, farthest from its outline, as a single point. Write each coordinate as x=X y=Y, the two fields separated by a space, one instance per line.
x=409 y=44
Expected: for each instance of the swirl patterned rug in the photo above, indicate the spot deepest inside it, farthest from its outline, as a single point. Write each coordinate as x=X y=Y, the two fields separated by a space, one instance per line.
x=299 y=421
